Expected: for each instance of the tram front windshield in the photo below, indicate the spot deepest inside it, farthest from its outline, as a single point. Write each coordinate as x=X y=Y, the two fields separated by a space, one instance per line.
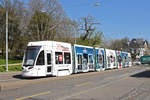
x=30 y=55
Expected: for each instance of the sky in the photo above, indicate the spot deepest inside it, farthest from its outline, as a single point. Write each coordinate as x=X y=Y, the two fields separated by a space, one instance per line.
x=118 y=18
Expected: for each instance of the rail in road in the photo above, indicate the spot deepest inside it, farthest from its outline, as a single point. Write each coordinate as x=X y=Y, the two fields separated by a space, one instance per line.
x=14 y=80
x=76 y=81
x=78 y=87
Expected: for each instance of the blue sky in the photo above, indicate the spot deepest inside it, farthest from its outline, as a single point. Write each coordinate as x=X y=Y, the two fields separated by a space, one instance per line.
x=119 y=18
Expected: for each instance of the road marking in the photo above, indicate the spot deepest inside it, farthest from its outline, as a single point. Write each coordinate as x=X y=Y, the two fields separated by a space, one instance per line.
x=147 y=68
x=108 y=78
x=10 y=86
x=35 y=95
x=91 y=89
x=83 y=84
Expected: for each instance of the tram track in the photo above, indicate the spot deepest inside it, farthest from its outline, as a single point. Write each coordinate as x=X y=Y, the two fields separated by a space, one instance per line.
x=69 y=83
x=12 y=83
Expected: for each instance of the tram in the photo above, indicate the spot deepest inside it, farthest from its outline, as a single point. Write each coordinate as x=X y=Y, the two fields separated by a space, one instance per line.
x=84 y=58
x=124 y=59
x=119 y=59
x=111 y=59
x=129 y=59
x=100 y=59
x=44 y=58
x=47 y=58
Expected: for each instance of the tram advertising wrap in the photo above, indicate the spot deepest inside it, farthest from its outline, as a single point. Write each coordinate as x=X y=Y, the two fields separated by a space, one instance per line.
x=43 y=58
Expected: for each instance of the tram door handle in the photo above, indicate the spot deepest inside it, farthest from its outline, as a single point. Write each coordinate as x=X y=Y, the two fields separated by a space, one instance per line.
x=38 y=68
x=49 y=68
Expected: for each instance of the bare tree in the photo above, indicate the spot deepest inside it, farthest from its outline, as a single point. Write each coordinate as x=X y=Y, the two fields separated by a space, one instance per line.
x=88 y=26
x=47 y=20
x=89 y=33
x=120 y=44
x=37 y=20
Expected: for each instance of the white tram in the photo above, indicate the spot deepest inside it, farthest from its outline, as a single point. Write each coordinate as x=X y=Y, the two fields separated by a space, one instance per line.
x=47 y=58
x=129 y=59
x=111 y=59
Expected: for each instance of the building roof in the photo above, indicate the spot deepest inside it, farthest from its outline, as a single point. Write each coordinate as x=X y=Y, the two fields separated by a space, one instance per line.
x=138 y=43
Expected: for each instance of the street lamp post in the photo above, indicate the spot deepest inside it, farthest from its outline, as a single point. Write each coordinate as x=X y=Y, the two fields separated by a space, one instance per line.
x=6 y=39
x=96 y=4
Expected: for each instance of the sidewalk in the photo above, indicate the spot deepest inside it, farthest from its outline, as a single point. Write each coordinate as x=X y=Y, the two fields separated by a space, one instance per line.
x=7 y=76
x=9 y=73
x=12 y=64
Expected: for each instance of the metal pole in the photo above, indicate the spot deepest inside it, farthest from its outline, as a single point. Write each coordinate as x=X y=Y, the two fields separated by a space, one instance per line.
x=75 y=36
x=6 y=40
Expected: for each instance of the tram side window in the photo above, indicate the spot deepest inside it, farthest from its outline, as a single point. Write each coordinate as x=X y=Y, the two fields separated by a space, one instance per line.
x=40 y=60
x=100 y=59
x=114 y=59
x=67 y=58
x=130 y=59
x=119 y=58
x=111 y=58
x=85 y=57
x=79 y=59
x=48 y=58
x=125 y=59
x=97 y=58
x=90 y=59
x=108 y=58
x=58 y=57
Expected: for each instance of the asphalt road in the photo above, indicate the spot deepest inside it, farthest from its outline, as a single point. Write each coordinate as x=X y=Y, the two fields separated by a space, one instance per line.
x=125 y=84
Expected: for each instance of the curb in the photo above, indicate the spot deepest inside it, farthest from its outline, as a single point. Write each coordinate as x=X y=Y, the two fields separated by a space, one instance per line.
x=10 y=73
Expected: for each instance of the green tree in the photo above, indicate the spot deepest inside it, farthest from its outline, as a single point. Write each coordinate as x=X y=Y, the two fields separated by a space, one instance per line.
x=2 y=30
x=35 y=21
x=41 y=27
x=15 y=13
x=49 y=22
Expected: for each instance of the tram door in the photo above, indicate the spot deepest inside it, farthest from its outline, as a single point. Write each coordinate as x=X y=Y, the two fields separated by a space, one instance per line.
x=100 y=60
x=109 y=61
x=79 y=57
x=123 y=62
x=119 y=61
x=85 y=61
x=91 y=62
x=49 y=62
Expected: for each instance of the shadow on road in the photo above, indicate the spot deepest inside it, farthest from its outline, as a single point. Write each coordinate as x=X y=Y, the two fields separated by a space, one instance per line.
x=19 y=76
x=145 y=74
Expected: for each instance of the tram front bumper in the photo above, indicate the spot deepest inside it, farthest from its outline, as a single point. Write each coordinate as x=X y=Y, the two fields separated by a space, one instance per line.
x=29 y=73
